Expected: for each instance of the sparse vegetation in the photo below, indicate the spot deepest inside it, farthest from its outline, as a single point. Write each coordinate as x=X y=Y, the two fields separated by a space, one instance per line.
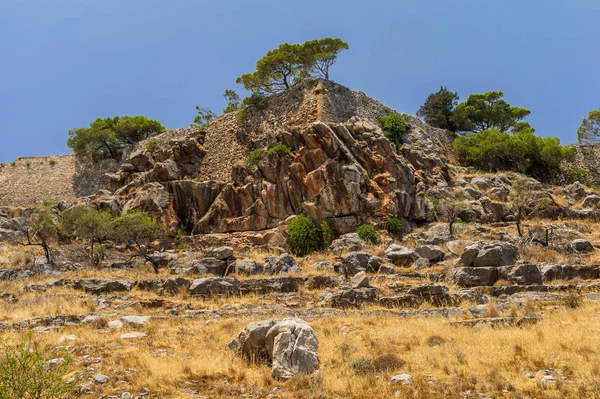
x=367 y=233
x=305 y=237
x=152 y=145
x=52 y=162
x=580 y=175
x=279 y=149
x=25 y=373
x=204 y=116
x=329 y=231
x=396 y=227
x=255 y=156
x=393 y=127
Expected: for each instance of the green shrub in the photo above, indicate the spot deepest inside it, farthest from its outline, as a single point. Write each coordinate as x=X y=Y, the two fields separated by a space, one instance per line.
x=52 y=162
x=393 y=127
x=13 y=164
x=329 y=231
x=256 y=99
x=522 y=151
x=255 y=156
x=580 y=175
x=367 y=233
x=280 y=149
x=305 y=237
x=152 y=145
x=24 y=373
x=396 y=227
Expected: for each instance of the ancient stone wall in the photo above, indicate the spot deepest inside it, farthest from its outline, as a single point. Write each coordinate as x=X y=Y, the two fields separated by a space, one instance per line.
x=33 y=180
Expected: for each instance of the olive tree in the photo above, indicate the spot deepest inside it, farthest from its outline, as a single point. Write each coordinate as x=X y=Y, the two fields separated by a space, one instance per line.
x=88 y=224
x=140 y=229
x=41 y=230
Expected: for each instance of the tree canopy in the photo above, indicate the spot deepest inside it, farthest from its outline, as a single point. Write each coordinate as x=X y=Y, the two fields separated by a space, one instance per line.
x=589 y=130
x=438 y=109
x=107 y=137
x=289 y=64
x=487 y=111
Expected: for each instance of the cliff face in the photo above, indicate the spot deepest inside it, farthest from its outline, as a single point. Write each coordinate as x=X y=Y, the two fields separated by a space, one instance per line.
x=341 y=166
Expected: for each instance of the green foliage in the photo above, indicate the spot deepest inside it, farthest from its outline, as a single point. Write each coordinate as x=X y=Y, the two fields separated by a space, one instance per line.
x=330 y=233
x=290 y=64
x=580 y=175
x=204 y=116
x=367 y=233
x=396 y=227
x=305 y=237
x=522 y=151
x=487 y=111
x=256 y=100
x=255 y=156
x=42 y=231
x=438 y=109
x=321 y=54
x=393 y=127
x=139 y=228
x=589 y=131
x=13 y=164
x=52 y=162
x=280 y=149
x=88 y=224
x=152 y=145
x=233 y=100
x=24 y=373
x=182 y=246
x=107 y=137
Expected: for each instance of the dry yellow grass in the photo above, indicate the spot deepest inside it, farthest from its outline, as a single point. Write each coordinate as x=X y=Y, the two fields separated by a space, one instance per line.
x=182 y=356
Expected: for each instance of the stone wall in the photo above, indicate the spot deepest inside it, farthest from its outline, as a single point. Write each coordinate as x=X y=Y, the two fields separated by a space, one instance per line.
x=33 y=180
x=587 y=157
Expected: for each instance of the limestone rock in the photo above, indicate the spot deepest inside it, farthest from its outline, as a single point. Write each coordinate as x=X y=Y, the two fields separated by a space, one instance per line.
x=250 y=343
x=360 y=280
x=582 y=246
x=400 y=254
x=292 y=346
x=224 y=286
x=282 y=264
x=432 y=253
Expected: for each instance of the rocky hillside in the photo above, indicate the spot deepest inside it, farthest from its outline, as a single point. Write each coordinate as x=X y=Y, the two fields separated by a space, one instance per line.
x=340 y=166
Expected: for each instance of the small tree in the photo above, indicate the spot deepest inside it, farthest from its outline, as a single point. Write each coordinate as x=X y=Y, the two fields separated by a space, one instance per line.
x=321 y=54
x=25 y=373
x=589 y=131
x=438 y=109
x=204 y=116
x=522 y=202
x=41 y=231
x=89 y=224
x=234 y=102
x=367 y=233
x=449 y=211
x=140 y=229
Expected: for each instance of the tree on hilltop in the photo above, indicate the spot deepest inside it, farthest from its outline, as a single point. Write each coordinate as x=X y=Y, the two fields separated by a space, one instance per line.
x=289 y=64
x=108 y=137
x=589 y=131
x=488 y=111
x=438 y=109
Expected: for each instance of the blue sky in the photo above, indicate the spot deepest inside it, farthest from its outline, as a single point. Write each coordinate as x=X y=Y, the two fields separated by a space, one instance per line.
x=65 y=62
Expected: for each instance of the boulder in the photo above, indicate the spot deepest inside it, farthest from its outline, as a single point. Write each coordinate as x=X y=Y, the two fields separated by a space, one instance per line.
x=432 y=253
x=266 y=285
x=582 y=246
x=136 y=321
x=591 y=201
x=348 y=297
x=360 y=280
x=221 y=253
x=292 y=346
x=400 y=254
x=282 y=264
x=213 y=266
x=404 y=379
x=224 y=286
x=102 y=286
x=355 y=262
x=347 y=242
x=474 y=276
x=250 y=343
x=458 y=246
x=493 y=254
x=524 y=274
x=248 y=267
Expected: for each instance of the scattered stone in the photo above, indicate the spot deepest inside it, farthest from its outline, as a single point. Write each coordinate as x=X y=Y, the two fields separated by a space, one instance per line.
x=582 y=246
x=224 y=286
x=133 y=335
x=137 y=321
x=115 y=324
x=221 y=253
x=101 y=378
x=400 y=254
x=360 y=280
x=404 y=379
x=493 y=254
x=282 y=264
x=250 y=343
x=66 y=338
x=347 y=242
x=432 y=253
